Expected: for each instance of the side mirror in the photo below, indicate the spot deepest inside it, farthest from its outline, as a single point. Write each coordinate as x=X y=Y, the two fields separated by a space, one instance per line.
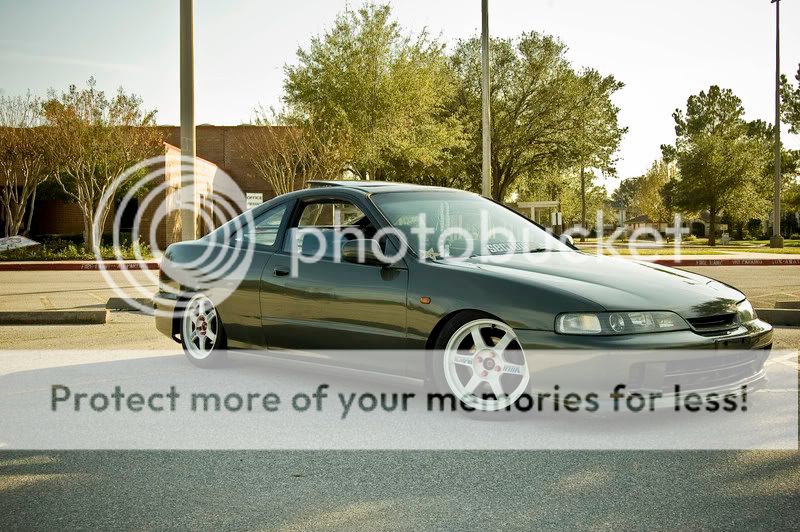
x=361 y=251
x=567 y=239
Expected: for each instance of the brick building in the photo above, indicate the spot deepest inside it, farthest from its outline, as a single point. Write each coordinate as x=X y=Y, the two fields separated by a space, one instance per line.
x=221 y=146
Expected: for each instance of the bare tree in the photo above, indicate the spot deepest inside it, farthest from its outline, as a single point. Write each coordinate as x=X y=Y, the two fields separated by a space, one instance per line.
x=25 y=159
x=96 y=140
x=286 y=156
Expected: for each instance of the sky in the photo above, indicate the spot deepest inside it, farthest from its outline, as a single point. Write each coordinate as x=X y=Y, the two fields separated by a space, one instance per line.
x=663 y=50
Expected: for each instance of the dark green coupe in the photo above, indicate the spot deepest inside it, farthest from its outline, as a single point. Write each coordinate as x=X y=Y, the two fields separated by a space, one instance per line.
x=470 y=301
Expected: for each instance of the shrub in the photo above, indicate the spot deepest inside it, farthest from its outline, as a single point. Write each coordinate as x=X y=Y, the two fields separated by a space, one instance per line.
x=67 y=249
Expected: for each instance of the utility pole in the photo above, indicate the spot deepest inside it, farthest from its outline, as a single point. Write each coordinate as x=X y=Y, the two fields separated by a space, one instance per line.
x=187 y=193
x=777 y=240
x=486 y=173
x=583 y=203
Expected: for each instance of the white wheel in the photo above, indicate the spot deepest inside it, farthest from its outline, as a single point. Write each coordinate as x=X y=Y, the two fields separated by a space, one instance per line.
x=201 y=330
x=484 y=365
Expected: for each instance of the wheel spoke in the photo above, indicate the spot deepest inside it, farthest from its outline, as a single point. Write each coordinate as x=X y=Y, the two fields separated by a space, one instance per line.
x=513 y=369
x=472 y=384
x=211 y=314
x=497 y=389
x=211 y=335
x=502 y=343
x=477 y=337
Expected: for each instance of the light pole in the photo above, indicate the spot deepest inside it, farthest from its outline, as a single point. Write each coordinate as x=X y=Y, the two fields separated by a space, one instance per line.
x=486 y=167
x=777 y=240
x=187 y=195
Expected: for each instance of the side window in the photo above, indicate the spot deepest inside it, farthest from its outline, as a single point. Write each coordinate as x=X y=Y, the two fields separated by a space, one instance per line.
x=324 y=223
x=266 y=226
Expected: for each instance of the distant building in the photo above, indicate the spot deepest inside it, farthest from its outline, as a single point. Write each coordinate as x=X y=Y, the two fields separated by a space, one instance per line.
x=699 y=226
x=219 y=146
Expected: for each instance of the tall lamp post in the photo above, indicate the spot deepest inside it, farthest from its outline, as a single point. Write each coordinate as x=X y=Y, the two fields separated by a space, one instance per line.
x=486 y=167
x=187 y=195
x=777 y=240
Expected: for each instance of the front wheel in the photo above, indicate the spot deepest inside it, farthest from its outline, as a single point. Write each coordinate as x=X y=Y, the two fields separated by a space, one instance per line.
x=202 y=334
x=481 y=362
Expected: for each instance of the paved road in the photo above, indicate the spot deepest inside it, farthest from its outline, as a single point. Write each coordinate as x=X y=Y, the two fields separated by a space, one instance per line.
x=46 y=290
x=401 y=490
x=383 y=490
x=764 y=285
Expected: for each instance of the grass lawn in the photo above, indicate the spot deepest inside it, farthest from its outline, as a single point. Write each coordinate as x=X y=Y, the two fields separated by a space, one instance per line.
x=654 y=251
x=669 y=251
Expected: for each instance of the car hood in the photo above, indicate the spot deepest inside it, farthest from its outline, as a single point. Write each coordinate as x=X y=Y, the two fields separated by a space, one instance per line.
x=615 y=284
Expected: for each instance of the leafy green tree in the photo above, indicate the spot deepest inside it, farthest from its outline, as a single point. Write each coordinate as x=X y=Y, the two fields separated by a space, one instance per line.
x=790 y=102
x=546 y=116
x=625 y=192
x=95 y=140
x=26 y=159
x=388 y=92
x=573 y=200
x=721 y=165
x=648 y=197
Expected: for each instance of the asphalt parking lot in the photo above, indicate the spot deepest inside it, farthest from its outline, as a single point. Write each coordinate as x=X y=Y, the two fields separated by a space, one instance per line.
x=293 y=490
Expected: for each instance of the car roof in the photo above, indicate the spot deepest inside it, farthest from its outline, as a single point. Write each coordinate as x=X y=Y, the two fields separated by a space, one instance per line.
x=371 y=187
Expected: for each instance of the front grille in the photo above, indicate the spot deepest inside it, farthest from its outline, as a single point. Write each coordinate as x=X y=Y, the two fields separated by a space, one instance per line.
x=710 y=325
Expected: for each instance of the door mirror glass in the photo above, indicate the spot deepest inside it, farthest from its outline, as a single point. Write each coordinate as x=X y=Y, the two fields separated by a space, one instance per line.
x=362 y=251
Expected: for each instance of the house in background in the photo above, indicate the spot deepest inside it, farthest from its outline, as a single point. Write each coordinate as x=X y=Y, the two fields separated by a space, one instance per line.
x=698 y=226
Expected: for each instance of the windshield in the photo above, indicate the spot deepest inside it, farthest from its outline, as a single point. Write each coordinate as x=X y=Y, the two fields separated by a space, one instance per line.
x=461 y=224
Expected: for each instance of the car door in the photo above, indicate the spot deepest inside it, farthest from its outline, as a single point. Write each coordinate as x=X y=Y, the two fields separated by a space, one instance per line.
x=331 y=304
x=241 y=311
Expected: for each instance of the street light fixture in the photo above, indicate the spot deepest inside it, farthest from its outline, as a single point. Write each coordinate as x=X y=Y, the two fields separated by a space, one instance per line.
x=776 y=241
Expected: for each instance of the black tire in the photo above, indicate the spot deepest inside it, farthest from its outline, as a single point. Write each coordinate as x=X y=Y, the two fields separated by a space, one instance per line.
x=213 y=353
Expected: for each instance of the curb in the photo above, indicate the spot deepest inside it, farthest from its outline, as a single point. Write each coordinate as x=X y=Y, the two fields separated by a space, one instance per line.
x=53 y=317
x=75 y=266
x=121 y=303
x=779 y=316
x=726 y=262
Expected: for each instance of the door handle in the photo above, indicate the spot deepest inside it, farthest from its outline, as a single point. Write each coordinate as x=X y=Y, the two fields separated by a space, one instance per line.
x=280 y=272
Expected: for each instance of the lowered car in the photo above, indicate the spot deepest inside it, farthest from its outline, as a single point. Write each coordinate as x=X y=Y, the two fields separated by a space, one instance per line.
x=469 y=289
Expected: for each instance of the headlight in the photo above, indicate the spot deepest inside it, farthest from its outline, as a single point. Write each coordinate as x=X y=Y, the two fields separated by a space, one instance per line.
x=745 y=311
x=610 y=323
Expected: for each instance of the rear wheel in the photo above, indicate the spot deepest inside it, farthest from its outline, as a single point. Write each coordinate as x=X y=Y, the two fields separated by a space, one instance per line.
x=480 y=361
x=202 y=334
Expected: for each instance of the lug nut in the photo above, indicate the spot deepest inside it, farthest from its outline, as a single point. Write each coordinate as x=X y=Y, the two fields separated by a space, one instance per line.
x=479 y=359
x=484 y=373
x=497 y=368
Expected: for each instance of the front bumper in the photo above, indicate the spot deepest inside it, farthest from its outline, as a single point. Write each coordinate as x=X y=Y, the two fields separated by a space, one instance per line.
x=653 y=363
x=164 y=304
